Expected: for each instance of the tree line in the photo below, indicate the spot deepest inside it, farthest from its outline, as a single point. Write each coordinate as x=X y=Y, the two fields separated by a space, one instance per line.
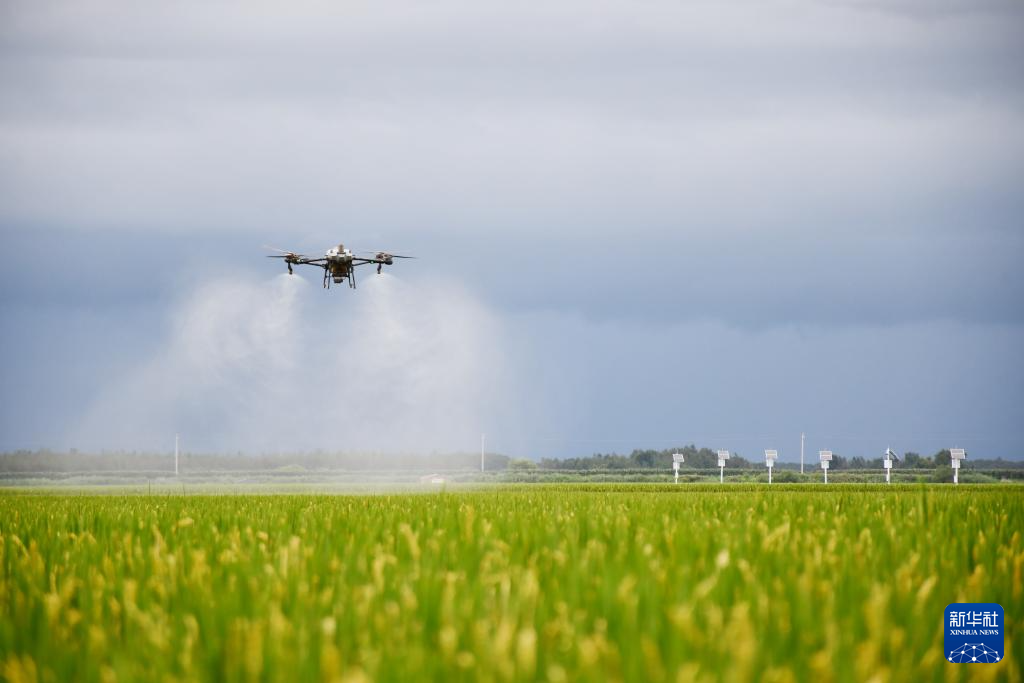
x=45 y=460
x=704 y=458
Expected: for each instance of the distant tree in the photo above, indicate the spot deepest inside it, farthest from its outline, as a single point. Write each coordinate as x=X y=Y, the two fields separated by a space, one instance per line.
x=838 y=462
x=913 y=460
x=645 y=458
x=703 y=458
x=943 y=457
x=521 y=464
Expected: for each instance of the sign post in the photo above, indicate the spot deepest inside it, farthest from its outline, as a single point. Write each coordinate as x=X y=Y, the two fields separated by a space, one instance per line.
x=955 y=456
x=826 y=458
x=677 y=459
x=769 y=458
x=722 y=457
x=887 y=461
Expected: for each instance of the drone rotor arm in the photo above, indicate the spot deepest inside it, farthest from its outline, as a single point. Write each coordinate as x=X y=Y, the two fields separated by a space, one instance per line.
x=383 y=254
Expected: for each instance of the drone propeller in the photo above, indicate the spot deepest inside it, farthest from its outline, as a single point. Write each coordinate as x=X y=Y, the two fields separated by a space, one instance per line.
x=383 y=257
x=289 y=257
x=384 y=254
x=284 y=253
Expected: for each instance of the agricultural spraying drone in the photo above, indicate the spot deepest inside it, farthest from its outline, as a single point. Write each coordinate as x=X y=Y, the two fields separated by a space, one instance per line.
x=339 y=263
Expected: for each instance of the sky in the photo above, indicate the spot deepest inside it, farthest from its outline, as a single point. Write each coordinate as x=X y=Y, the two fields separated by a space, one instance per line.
x=637 y=225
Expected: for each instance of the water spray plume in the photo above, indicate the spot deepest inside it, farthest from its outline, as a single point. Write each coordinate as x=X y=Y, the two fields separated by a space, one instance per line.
x=273 y=366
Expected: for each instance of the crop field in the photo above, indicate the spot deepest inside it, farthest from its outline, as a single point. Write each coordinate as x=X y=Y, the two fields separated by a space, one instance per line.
x=558 y=583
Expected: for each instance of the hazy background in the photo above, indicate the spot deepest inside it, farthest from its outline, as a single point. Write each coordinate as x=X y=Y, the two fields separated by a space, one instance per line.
x=638 y=225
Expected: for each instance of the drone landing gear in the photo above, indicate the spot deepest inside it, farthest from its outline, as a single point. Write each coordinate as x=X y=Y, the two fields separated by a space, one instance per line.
x=290 y=268
x=328 y=276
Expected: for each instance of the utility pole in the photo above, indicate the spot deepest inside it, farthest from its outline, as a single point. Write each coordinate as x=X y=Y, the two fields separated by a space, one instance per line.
x=175 y=455
x=801 y=452
x=483 y=440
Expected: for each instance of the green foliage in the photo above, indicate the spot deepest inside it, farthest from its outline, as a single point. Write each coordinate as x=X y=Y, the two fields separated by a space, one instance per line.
x=696 y=458
x=786 y=476
x=565 y=582
x=943 y=473
x=519 y=465
x=969 y=477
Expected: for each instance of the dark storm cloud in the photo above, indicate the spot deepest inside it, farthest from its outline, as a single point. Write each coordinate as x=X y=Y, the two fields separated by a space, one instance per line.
x=848 y=168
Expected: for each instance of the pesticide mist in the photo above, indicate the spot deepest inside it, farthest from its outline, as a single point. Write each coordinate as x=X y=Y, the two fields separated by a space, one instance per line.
x=280 y=365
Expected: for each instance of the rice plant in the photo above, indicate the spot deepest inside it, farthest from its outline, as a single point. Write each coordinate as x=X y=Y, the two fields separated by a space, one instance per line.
x=558 y=583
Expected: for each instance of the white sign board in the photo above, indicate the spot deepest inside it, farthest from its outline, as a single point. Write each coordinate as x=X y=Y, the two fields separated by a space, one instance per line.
x=678 y=457
x=825 y=456
x=770 y=457
x=723 y=455
x=887 y=463
x=824 y=464
x=958 y=454
x=721 y=463
x=955 y=464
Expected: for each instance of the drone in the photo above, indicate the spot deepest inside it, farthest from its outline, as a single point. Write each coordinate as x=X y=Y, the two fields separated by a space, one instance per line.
x=339 y=263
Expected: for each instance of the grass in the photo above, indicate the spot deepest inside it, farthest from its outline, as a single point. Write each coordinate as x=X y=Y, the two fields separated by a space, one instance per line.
x=571 y=582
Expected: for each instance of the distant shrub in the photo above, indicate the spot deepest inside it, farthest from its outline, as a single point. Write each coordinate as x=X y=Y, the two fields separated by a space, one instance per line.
x=969 y=477
x=521 y=464
x=786 y=477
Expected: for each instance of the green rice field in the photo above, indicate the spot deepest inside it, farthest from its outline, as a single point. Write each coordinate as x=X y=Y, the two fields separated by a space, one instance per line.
x=543 y=582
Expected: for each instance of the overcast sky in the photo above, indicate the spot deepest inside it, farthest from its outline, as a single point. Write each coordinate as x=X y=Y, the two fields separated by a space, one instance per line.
x=638 y=224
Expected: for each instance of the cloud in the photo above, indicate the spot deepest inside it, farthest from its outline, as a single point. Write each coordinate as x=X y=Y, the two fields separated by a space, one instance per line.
x=747 y=162
x=743 y=115
x=619 y=170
